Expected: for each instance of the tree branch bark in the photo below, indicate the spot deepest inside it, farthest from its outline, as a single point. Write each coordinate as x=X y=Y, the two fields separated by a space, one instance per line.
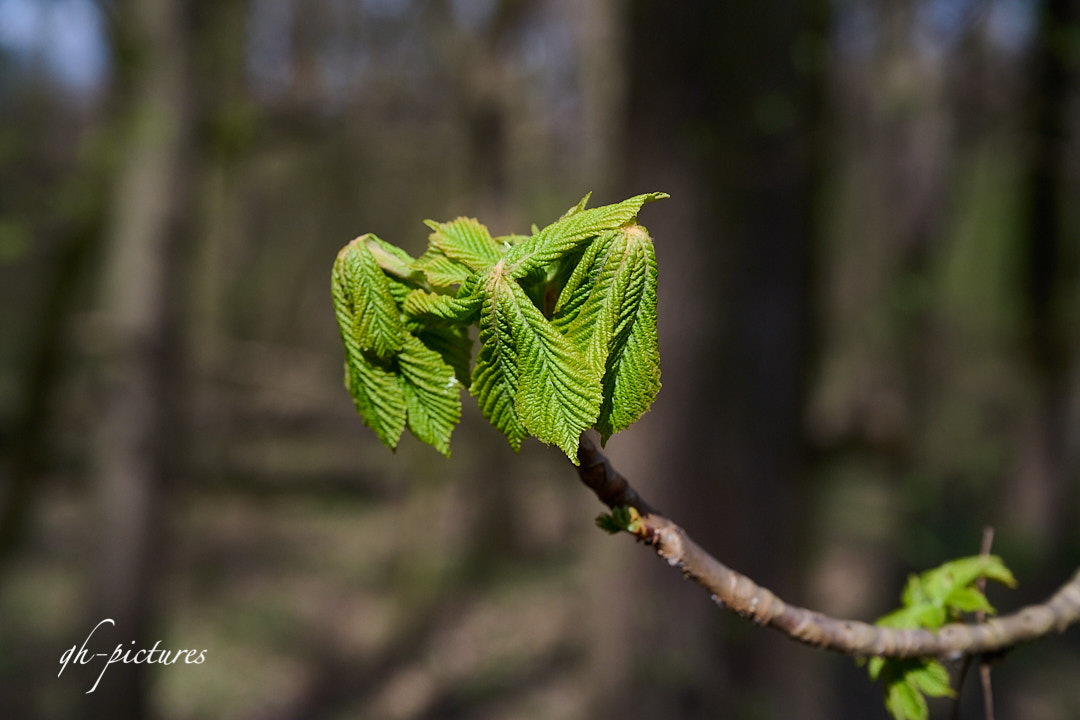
x=743 y=596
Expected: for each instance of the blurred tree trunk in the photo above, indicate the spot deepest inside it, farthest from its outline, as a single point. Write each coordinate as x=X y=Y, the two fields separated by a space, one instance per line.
x=136 y=338
x=231 y=122
x=728 y=98
x=1044 y=506
x=80 y=222
x=600 y=50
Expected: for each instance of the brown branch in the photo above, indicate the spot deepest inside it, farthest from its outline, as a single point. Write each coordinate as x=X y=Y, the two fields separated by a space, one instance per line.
x=743 y=596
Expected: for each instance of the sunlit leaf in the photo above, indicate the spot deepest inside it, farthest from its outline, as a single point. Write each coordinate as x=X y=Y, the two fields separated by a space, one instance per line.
x=968 y=599
x=905 y=702
x=559 y=393
x=378 y=397
x=453 y=344
x=608 y=309
x=495 y=377
x=432 y=394
x=466 y=241
x=365 y=308
x=930 y=677
x=441 y=271
x=433 y=306
x=564 y=235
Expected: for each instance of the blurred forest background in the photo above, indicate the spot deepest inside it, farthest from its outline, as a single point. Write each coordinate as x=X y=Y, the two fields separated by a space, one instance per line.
x=869 y=302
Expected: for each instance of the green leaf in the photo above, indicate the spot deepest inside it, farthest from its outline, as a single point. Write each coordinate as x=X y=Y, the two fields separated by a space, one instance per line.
x=923 y=615
x=940 y=581
x=559 y=395
x=905 y=702
x=398 y=266
x=579 y=310
x=930 y=599
x=440 y=270
x=495 y=377
x=913 y=591
x=608 y=524
x=505 y=242
x=372 y=332
x=579 y=207
x=377 y=394
x=608 y=309
x=432 y=394
x=906 y=681
x=420 y=304
x=567 y=233
x=529 y=377
x=963 y=571
x=931 y=678
x=395 y=263
x=467 y=241
x=453 y=344
x=632 y=372
x=404 y=327
x=365 y=308
x=968 y=599
x=622 y=518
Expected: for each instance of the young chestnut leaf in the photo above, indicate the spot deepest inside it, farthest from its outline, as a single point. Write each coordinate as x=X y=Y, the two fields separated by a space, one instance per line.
x=404 y=324
x=465 y=241
x=495 y=377
x=566 y=234
x=931 y=599
x=432 y=394
x=366 y=312
x=608 y=309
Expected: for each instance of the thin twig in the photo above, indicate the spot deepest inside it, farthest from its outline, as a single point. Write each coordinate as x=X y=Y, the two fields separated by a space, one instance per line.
x=980 y=616
x=743 y=596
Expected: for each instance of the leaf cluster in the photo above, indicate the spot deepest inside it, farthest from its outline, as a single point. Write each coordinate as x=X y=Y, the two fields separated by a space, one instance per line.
x=566 y=322
x=930 y=600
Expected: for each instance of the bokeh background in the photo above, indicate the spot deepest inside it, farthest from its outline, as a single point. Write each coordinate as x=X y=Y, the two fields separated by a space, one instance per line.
x=869 y=303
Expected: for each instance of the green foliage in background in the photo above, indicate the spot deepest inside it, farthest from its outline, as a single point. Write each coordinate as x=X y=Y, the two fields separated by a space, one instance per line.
x=566 y=318
x=930 y=600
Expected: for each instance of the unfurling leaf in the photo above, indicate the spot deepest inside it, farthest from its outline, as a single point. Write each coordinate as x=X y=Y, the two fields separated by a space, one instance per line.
x=905 y=683
x=608 y=309
x=371 y=331
x=404 y=323
x=573 y=229
x=905 y=702
x=466 y=241
x=529 y=378
x=432 y=394
x=495 y=377
x=453 y=343
x=931 y=599
x=366 y=311
x=559 y=393
x=432 y=306
x=441 y=271
x=397 y=265
x=622 y=518
x=931 y=678
x=378 y=397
